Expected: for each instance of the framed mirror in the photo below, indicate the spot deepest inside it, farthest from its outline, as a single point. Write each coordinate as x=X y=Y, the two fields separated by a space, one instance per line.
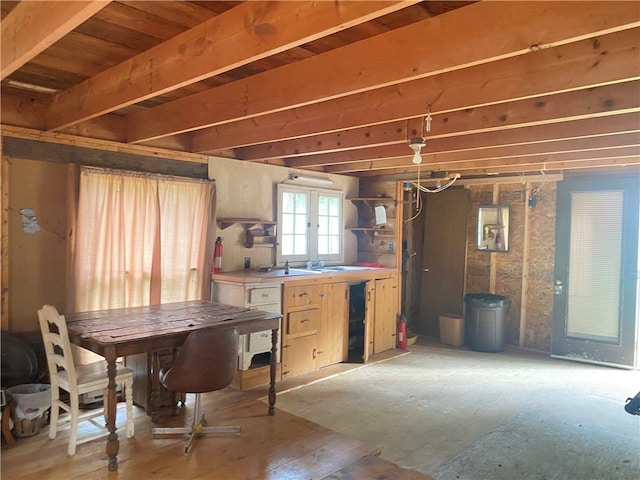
x=493 y=228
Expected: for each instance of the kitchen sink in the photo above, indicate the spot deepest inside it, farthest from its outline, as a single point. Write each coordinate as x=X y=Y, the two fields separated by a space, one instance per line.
x=329 y=269
x=346 y=268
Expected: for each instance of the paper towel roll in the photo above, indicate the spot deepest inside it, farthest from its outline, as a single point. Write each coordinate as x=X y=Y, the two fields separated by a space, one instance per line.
x=381 y=215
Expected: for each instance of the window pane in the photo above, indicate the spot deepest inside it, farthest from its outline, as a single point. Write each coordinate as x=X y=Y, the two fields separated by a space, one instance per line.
x=334 y=207
x=323 y=225
x=323 y=206
x=593 y=303
x=294 y=219
x=301 y=203
x=301 y=225
x=334 y=245
x=287 y=244
x=287 y=202
x=329 y=225
x=287 y=223
x=334 y=226
x=300 y=247
x=323 y=245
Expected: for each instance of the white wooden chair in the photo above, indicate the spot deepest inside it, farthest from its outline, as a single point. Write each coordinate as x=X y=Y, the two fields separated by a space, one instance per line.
x=77 y=380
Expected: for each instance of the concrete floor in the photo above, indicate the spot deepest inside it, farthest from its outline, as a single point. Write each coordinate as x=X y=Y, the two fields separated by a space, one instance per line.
x=457 y=414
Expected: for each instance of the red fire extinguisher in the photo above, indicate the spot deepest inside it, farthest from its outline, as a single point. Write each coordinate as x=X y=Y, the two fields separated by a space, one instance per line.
x=402 y=332
x=217 y=256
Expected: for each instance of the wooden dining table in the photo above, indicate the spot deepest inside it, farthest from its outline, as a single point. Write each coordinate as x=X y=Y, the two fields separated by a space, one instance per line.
x=119 y=332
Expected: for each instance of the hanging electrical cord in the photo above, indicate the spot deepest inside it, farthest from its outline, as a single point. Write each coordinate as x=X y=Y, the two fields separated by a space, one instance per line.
x=537 y=190
x=439 y=187
x=418 y=201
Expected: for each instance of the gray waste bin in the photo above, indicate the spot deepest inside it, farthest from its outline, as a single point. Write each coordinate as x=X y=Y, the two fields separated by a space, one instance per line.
x=485 y=321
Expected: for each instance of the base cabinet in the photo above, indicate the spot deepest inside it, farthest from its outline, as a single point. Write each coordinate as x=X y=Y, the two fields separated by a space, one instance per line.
x=316 y=327
x=301 y=317
x=333 y=334
x=254 y=351
x=299 y=356
x=385 y=317
x=381 y=312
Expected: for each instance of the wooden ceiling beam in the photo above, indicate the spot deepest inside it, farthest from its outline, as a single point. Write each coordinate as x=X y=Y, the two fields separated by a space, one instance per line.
x=32 y=27
x=243 y=34
x=401 y=55
x=610 y=58
x=501 y=118
x=553 y=109
x=613 y=157
x=621 y=140
x=370 y=136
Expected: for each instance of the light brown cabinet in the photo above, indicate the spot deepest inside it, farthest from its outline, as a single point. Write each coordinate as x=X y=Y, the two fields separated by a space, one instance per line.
x=301 y=317
x=333 y=334
x=381 y=312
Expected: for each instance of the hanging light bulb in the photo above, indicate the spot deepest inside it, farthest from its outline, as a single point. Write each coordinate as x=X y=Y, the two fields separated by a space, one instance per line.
x=416 y=145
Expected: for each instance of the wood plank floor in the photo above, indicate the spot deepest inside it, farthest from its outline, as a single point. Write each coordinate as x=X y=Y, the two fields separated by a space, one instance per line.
x=281 y=447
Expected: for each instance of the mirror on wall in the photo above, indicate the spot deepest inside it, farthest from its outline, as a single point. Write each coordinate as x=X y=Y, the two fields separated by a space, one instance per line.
x=493 y=228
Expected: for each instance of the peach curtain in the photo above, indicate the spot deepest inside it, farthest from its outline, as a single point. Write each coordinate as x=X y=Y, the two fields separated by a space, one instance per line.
x=141 y=239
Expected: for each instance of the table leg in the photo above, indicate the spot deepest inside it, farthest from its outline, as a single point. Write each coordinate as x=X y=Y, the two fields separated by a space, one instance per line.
x=154 y=396
x=113 y=445
x=272 y=371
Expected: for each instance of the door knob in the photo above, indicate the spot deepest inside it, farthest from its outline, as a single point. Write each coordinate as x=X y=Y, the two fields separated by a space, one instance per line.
x=426 y=270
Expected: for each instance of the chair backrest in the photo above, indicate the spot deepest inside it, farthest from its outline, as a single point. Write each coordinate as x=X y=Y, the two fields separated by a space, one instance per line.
x=207 y=361
x=56 y=344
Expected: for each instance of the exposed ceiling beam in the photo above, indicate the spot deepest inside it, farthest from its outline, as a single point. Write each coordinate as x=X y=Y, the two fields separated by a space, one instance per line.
x=521 y=152
x=625 y=156
x=564 y=107
x=564 y=130
x=243 y=34
x=408 y=53
x=398 y=133
x=32 y=27
x=592 y=62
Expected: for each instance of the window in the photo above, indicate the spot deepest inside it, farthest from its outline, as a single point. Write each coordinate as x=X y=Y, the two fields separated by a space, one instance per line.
x=140 y=239
x=310 y=224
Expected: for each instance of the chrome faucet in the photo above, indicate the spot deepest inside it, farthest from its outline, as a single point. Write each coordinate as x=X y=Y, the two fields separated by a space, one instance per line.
x=318 y=263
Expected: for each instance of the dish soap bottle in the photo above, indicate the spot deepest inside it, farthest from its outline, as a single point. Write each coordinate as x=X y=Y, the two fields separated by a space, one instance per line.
x=286 y=267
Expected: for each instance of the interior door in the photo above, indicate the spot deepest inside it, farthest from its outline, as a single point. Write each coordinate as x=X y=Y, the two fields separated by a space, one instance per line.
x=595 y=312
x=443 y=256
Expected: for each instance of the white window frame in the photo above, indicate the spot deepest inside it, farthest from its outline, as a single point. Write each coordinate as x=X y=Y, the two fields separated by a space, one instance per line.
x=313 y=195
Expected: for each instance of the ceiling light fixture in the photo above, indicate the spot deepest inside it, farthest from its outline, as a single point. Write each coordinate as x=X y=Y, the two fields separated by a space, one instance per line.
x=416 y=145
x=315 y=180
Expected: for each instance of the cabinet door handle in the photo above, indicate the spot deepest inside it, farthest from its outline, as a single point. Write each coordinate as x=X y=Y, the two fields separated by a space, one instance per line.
x=304 y=320
x=314 y=353
x=303 y=294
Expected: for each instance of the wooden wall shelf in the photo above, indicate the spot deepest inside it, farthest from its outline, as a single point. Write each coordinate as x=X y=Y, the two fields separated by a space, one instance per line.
x=373 y=232
x=246 y=222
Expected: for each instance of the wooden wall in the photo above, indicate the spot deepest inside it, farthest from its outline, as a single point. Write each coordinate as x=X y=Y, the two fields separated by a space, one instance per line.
x=36 y=262
x=36 y=175
x=524 y=274
x=249 y=190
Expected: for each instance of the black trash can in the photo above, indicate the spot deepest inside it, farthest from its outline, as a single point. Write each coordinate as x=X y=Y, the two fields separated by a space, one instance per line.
x=485 y=321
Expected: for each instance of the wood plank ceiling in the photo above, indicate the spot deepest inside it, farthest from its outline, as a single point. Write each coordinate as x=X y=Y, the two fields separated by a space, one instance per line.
x=338 y=87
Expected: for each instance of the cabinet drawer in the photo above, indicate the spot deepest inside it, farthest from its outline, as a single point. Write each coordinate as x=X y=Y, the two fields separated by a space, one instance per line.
x=259 y=342
x=260 y=296
x=302 y=295
x=303 y=321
